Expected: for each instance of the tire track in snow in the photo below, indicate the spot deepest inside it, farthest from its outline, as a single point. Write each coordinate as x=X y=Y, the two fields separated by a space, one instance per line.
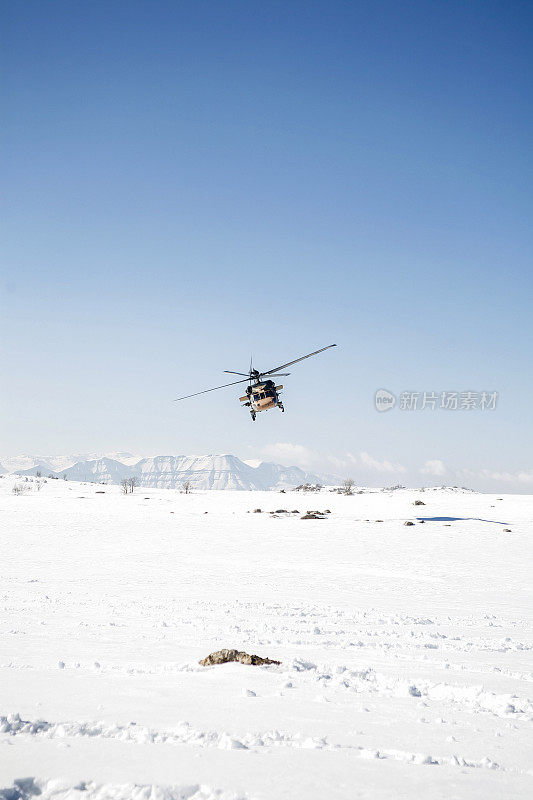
x=171 y=667
x=185 y=734
x=181 y=734
x=470 y=698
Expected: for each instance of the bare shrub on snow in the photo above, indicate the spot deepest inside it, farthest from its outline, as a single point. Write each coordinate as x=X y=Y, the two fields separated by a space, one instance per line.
x=21 y=488
x=129 y=484
x=347 y=485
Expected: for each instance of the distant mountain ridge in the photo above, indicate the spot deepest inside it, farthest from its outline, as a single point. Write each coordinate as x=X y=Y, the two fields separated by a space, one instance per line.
x=55 y=463
x=170 y=472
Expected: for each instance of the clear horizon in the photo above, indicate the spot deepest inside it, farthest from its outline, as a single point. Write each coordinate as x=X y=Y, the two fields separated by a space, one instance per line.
x=189 y=185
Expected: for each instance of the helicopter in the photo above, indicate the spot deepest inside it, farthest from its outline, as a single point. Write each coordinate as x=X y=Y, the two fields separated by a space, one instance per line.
x=262 y=394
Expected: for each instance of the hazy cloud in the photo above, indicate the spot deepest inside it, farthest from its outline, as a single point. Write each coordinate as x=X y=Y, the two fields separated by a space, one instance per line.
x=380 y=466
x=291 y=454
x=435 y=467
x=367 y=469
x=522 y=476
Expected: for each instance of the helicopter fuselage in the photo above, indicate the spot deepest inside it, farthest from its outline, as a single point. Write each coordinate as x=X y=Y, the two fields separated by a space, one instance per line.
x=262 y=396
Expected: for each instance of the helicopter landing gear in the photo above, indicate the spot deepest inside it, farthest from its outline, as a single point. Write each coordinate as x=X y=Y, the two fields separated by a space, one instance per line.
x=252 y=412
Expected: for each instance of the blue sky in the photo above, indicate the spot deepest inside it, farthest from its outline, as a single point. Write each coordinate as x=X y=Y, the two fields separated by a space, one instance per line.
x=188 y=184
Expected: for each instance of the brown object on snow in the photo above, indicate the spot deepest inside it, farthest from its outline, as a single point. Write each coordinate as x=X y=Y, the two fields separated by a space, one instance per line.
x=223 y=656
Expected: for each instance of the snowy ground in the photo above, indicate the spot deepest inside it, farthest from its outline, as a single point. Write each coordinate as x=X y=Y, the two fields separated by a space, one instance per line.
x=406 y=651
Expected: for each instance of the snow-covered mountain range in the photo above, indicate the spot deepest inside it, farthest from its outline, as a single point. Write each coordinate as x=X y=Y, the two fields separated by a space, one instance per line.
x=56 y=463
x=170 y=472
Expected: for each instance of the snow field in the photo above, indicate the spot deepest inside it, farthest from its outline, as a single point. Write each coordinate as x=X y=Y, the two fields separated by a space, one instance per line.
x=406 y=651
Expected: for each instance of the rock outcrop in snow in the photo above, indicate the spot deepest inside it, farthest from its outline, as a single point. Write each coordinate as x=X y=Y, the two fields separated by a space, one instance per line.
x=225 y=656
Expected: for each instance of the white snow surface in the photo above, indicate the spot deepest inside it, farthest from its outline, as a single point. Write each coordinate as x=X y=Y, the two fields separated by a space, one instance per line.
x=407 y=651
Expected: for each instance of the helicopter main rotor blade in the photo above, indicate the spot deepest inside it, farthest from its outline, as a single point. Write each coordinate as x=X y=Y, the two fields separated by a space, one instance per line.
x=245 y=380
x=231 y=372
x=270 y=371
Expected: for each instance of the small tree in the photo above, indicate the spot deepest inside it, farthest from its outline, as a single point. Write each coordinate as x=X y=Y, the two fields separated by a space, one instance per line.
x=347 y=485
x=21 y=488
x=187 y=487
x=125 y=485
x=39 y=484
x=38 y=473
x=132 y=483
